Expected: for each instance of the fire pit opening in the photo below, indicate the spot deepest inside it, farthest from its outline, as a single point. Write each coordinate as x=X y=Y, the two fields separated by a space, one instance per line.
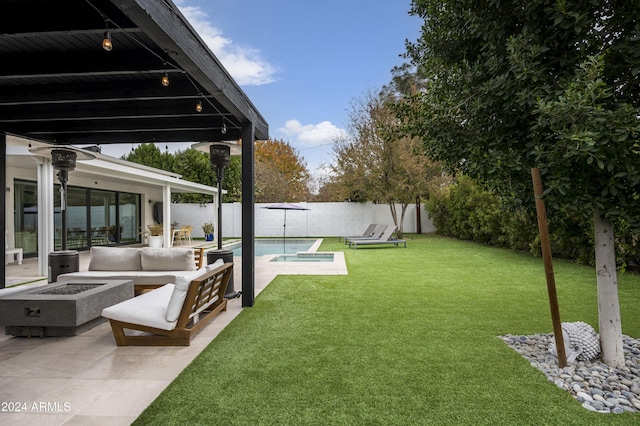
x=70 y=289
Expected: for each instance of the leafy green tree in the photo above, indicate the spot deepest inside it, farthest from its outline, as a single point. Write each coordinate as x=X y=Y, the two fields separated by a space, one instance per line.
x=232 y=181
x=148 y=154
x=193 y=166
x=514 y=85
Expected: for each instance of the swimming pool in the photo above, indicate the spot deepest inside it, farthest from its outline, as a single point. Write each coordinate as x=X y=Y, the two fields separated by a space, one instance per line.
x=277 y=246
x=304 y=257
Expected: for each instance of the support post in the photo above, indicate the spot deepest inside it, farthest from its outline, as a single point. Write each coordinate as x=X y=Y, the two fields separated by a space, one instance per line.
x=548 y=267
x=219 y=177
x=3 y=207
x=248 y=216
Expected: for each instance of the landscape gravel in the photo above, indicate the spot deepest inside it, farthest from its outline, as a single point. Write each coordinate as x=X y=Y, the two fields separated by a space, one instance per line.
x=594 y=384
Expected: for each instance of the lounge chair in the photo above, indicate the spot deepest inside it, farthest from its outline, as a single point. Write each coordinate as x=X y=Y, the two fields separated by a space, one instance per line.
x=367 y=233
x=377 y=232
x=385 y=238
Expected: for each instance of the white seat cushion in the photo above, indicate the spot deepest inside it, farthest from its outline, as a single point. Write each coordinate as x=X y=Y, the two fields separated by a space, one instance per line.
x=138 y=277
x=148 y=309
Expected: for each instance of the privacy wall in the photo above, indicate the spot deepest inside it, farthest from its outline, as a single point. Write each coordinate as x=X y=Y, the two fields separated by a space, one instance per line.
x=321 y=220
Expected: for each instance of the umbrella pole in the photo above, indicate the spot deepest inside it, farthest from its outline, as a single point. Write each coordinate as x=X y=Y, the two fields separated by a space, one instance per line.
x=284 y=233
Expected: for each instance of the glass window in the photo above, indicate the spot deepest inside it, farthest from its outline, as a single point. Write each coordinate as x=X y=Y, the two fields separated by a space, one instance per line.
x=97 y=223
x=129 y=218
x=76 y=218
x=103 y=218
x=25 y=216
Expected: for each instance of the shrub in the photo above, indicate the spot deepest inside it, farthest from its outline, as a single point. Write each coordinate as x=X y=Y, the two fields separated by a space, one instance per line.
x=464 y=210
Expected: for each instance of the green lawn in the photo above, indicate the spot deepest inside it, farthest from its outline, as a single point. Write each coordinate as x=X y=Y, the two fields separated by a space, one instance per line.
x=408 y=337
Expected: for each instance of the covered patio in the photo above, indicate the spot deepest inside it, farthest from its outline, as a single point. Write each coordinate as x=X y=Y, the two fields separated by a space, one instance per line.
x=154 y=80
x=102 y=172
x=87 y=379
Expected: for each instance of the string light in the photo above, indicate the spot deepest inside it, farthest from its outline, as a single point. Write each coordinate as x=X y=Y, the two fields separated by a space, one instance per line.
x=165 y=77
x=106 y=40
x=107 y=45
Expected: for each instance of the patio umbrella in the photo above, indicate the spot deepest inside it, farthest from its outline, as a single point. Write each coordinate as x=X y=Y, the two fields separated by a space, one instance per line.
x=285 y=207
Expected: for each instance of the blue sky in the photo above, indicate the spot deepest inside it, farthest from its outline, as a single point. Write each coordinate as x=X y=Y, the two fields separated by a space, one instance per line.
x=303 y=63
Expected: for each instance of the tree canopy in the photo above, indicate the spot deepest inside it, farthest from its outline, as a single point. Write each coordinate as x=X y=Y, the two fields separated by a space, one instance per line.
x=280 y=173
x=194 y=166
x=513 y=85
x=375 y=162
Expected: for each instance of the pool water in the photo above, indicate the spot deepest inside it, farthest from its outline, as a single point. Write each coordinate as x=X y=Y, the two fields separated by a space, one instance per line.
x=304 y=257
x=262 y=247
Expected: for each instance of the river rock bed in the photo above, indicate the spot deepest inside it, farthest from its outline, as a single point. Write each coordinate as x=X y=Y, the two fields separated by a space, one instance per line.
x=594 y=384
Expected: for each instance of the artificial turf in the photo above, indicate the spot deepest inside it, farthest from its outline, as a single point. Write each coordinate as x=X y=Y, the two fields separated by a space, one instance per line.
x=409 y=337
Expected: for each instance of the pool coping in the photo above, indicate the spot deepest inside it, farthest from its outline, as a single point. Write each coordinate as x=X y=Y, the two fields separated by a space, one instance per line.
x=337 y=267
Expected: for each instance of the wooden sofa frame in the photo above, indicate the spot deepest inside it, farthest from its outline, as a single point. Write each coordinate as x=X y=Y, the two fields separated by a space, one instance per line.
x=200 y=306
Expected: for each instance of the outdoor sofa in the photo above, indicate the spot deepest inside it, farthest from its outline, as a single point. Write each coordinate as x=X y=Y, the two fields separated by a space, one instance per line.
x=169 y=315
x=148 y=268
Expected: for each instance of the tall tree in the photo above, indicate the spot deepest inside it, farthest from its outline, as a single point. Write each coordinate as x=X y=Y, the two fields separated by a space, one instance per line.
x=280 y=173
x=375 y=163
x=552 y=84
x=193 y=166
x=148 y=154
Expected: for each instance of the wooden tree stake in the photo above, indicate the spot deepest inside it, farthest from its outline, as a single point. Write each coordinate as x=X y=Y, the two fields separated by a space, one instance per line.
x=548 y=267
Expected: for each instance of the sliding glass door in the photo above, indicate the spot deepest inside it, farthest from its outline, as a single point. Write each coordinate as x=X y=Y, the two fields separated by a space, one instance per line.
x=103 y=218
x=25 y=216
x=94 y=217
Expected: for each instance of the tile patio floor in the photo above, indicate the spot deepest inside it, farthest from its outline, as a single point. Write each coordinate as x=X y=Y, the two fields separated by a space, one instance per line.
x=87 y=379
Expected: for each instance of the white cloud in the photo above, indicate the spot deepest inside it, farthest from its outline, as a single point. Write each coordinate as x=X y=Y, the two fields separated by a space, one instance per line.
x=312 y=135
x=245 y=64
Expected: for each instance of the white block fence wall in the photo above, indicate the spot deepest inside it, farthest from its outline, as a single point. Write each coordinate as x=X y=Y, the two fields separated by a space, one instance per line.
x=321 y=220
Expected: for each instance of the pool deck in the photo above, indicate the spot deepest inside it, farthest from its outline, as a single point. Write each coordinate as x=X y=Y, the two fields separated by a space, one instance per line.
x=87 y=379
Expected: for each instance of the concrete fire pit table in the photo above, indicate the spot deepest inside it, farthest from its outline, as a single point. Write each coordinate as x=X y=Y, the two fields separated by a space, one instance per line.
x=64 y=309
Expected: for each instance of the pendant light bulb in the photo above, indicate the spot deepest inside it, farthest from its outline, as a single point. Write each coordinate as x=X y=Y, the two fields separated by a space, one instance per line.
x=199 y=106
x=106 y=42
x=165 y=79
x=224 y=128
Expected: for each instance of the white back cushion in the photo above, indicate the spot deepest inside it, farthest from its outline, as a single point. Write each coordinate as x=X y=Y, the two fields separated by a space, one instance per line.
x=181 y=288
x=115 y=259
x=180 y=293
x=167 y=259
x=214 y=265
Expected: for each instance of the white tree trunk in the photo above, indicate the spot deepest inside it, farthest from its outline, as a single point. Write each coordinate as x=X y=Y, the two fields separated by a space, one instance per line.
x=608 y=306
